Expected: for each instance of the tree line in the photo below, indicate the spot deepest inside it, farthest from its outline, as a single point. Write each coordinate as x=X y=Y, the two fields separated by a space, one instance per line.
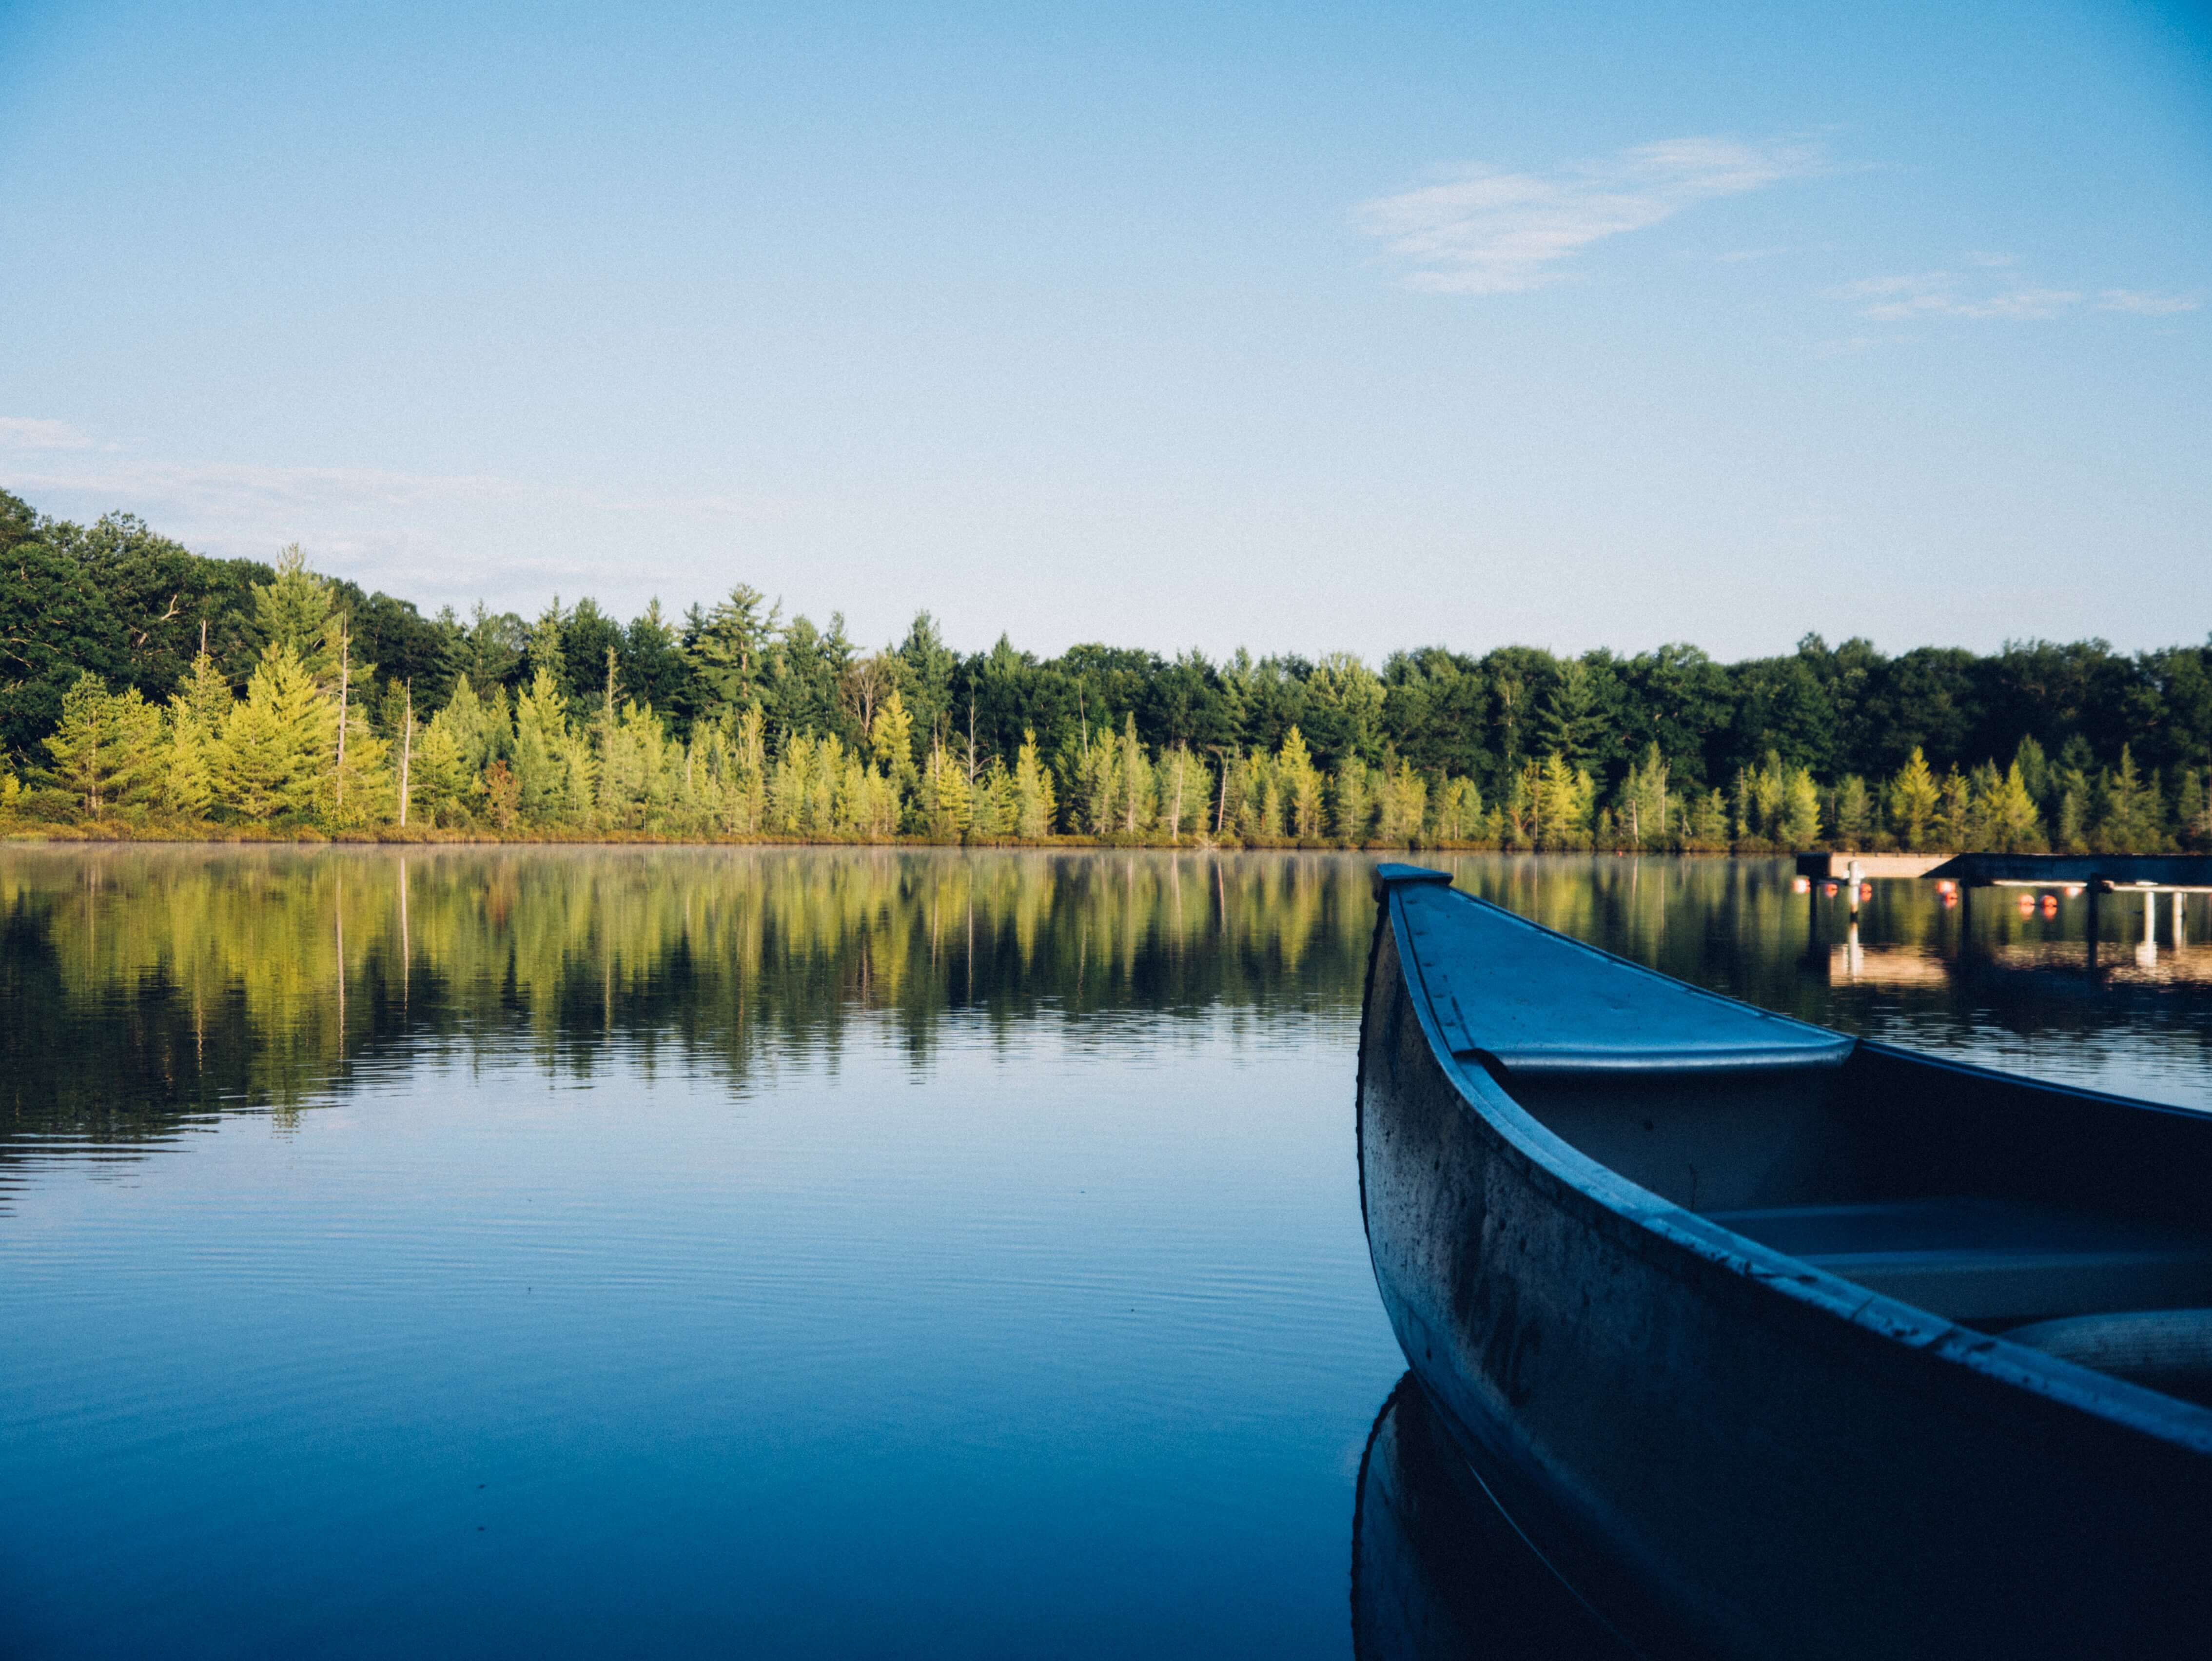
x=147 y=690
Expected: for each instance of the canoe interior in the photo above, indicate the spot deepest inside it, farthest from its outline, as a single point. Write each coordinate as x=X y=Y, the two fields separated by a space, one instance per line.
x=1992 y=1203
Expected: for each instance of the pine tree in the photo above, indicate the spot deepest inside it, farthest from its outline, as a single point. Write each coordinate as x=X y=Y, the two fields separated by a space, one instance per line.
x=1033 y=796
x=1135 y=796
x=1643 y=809
x=1566 y=793
x=1098 y=784
x=890 y=739
x=1913 y=797
x=106 y=750
x=541 y=747
x=1459 y=812
x=1571 y=723
x=195 y=713
x=2194 y=810
x=1801 y=810
x=1954 y=797
x=2010 y=823
x=730 y=647
x=276 y=743
x=1355 y=801
x=2133 y=820
x=362 y=789
x=1521 y=812
x=480 y=728
x=993 y=808
x=1186 y=788
x=1708 y=820
x=188 y=779
x=296 y=611
x=1853 y=813
x=1402 y=806
x=945 y=792
x=1300 y=783
x=437 y=778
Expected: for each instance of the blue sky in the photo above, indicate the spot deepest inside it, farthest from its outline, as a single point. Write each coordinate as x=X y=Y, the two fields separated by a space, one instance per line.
x=1304 y=328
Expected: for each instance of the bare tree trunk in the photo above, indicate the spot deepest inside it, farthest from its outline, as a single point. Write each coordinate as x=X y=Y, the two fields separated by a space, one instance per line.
x=345 y=679
x=406 y=752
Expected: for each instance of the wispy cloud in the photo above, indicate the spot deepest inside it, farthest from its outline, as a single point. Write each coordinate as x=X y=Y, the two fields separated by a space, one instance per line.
x=23 y=433
x=1481 y=231
x=2144 y=305
x=434 y=535
x=1944 y=294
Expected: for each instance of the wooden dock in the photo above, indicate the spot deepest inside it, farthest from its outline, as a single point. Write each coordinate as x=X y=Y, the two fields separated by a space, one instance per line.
x=1834 y=868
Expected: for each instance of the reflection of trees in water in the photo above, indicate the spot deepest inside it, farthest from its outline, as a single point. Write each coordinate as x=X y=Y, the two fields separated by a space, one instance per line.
x=141 y=985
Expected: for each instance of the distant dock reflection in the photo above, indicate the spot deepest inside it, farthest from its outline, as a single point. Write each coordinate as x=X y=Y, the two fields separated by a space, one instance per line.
x=2031 y=937
x=1438 y=1573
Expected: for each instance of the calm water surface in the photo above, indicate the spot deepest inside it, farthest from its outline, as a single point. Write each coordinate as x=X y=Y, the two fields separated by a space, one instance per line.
x=796 y=1252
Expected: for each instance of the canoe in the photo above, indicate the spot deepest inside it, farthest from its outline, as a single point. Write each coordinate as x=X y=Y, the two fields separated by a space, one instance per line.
x=1774 y=1341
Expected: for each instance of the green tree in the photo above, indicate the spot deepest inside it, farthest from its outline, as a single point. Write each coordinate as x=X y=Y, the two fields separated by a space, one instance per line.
x=729 y=648
x=1566 y=796
x=1643 y=810
x=2192 y=806
x=1186 y=791
x=890 y=739
x=2011 y=824
x=271 y=757
x=56 y=625
x=542 y=751
x=360 y=788
x=1298 y=784
x=437 y=777
x=1353 y=791
x=1569 y=723
x=947 y=802
x=1459 y=812
x=1853 y=813
x=2132 y=822
x=1136 y=795
x=1707 y=828
x=196 y=715
x=1954 y=825
x=1033 y=793
x=293 y=610
x=1913 y=798
x=1401 y=805
x=1801 y=810
x=106 y=750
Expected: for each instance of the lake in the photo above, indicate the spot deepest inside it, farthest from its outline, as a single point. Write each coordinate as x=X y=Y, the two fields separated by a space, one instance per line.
x=798 y=1251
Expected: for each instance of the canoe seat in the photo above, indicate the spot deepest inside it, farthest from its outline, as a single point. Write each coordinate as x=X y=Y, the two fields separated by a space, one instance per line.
x=2166 y=1349
x=1991 y=1262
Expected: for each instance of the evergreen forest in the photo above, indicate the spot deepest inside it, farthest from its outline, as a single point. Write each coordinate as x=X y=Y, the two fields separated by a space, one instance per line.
x=146 y=691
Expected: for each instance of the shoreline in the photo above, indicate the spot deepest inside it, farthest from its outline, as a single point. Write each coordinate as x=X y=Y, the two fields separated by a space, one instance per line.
x=214 y=836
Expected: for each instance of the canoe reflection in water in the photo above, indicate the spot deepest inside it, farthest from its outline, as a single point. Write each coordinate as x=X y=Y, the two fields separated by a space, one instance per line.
x=1438 y=1573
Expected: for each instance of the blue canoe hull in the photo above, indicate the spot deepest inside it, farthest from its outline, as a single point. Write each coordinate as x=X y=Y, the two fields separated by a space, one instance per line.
x=1727 y=1449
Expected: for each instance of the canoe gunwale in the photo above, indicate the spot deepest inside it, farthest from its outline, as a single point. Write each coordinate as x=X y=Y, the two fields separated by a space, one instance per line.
x=1720 y=1264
